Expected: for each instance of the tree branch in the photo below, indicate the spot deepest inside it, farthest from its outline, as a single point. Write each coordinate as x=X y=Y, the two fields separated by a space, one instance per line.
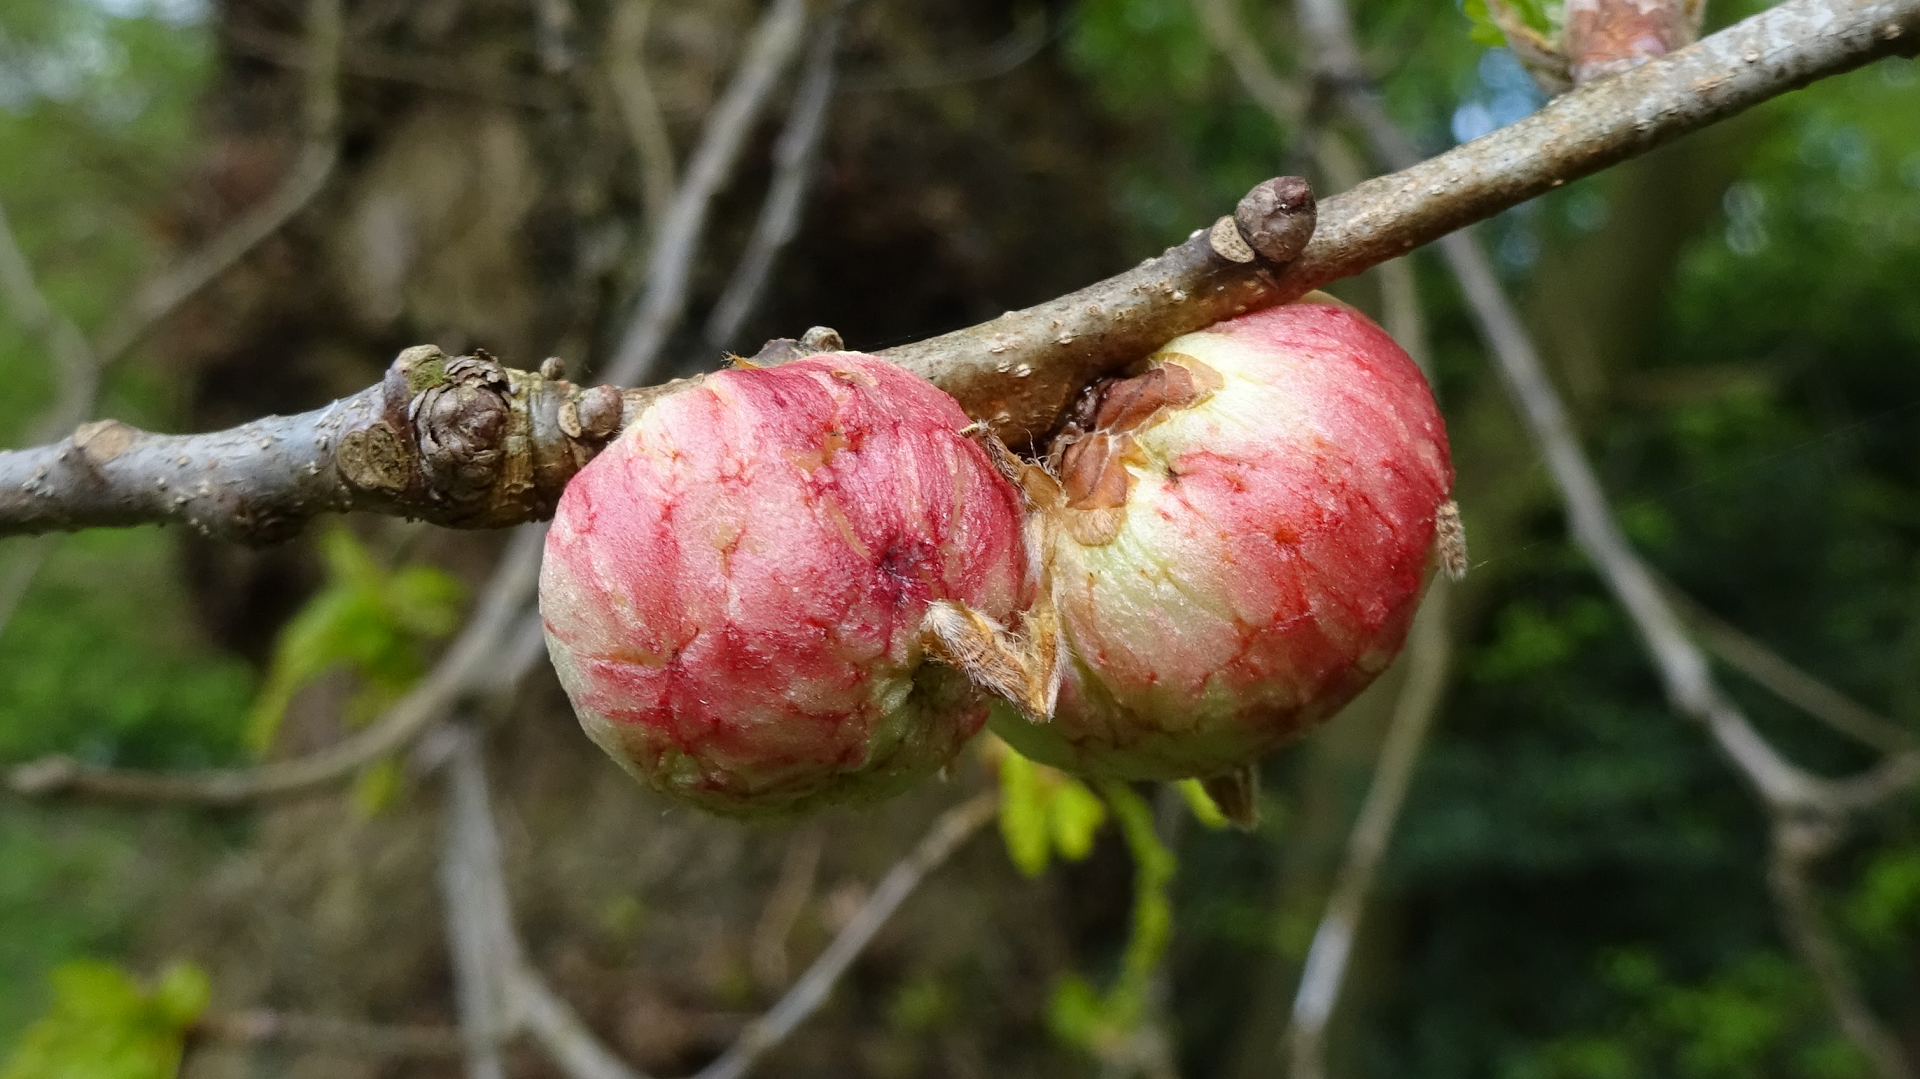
x=953 y=828
x=640 y=107
x=1017 y=371
x=794 y=158
x=791 y=893
x=79 y=365
x=1797 y=843
x=439 y=433
x=1801 y=805
x=1428 y=657
x=1074 y=339
x=1790 y=683
x=261 y=1026
x=470 y=660
x=664 y=298
x=501 y=994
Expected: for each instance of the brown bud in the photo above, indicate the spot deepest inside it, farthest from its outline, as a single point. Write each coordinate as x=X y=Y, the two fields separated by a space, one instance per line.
x=460 y=425
x=1277 y=217
x=598 y=410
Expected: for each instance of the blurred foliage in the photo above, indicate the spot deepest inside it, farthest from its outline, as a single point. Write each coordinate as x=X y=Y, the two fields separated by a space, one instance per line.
x=96 y=107
x=105 y=1025
x=1578 y=887
x=1043 y=811
x=371 y=621
x=1762 y=1016
x=1103 y=1023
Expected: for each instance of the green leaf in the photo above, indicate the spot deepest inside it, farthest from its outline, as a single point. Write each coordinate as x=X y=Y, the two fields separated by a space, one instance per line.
x=1023 y=818
x=1080 y=1015
x=1043 y=811
x=1541 y=15
x=1074 y=1012
x=1483 y=29
x=182 y=993
x=104 y=1025
x=1202 y=804
x=366 y=619
x=377 y=787
x=1074 y=816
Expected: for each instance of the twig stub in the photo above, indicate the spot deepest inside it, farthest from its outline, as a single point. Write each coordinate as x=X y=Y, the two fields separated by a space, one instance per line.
x=1277 y=217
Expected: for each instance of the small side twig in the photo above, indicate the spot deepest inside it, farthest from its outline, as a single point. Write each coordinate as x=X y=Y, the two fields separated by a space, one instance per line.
x=319 y=152
x=640 y=107
x=1798 y=842
x=260 y=1026
x=952 y=829
x=469 y=659
x=663 y=298
x=1792 y=684
x=794 y=157
x=559 y=1030
x=784 y=906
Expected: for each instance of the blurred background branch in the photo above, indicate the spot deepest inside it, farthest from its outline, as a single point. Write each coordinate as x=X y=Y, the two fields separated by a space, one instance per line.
x=1570 y=887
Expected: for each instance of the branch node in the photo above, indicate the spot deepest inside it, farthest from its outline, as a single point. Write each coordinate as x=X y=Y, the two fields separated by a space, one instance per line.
x=785 y=349
x=592 y=414
x=1276 y=218
x=373 y=458
x=102 y=440
x=460 y=423
x=823 y=339
x=1228 y=243
x=49 y=775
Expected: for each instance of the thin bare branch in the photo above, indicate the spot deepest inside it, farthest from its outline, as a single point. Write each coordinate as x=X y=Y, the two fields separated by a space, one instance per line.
x=1428 y=658
x=79 y=366
x=1228 y=34
x=1804 y=807
x=1683 y=667
x=794 y=159
x=640 y=108
x=1790 y=683
x=1797 y=843
x=28 y=557
x=76 y=367
x=663 y=299
x=559 y=1030
x=480 y=937
x=469 y=660
x=789 y=898
x=320 y=121
x=358 y=452
x=1078 y=337
x=261 y=1026
x=953 y=828
x=1020 y=370
x=554 y=28
x=500 y=994
x=1031 y=33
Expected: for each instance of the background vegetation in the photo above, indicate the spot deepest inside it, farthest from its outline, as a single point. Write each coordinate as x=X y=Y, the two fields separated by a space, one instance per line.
x=1577 y=887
